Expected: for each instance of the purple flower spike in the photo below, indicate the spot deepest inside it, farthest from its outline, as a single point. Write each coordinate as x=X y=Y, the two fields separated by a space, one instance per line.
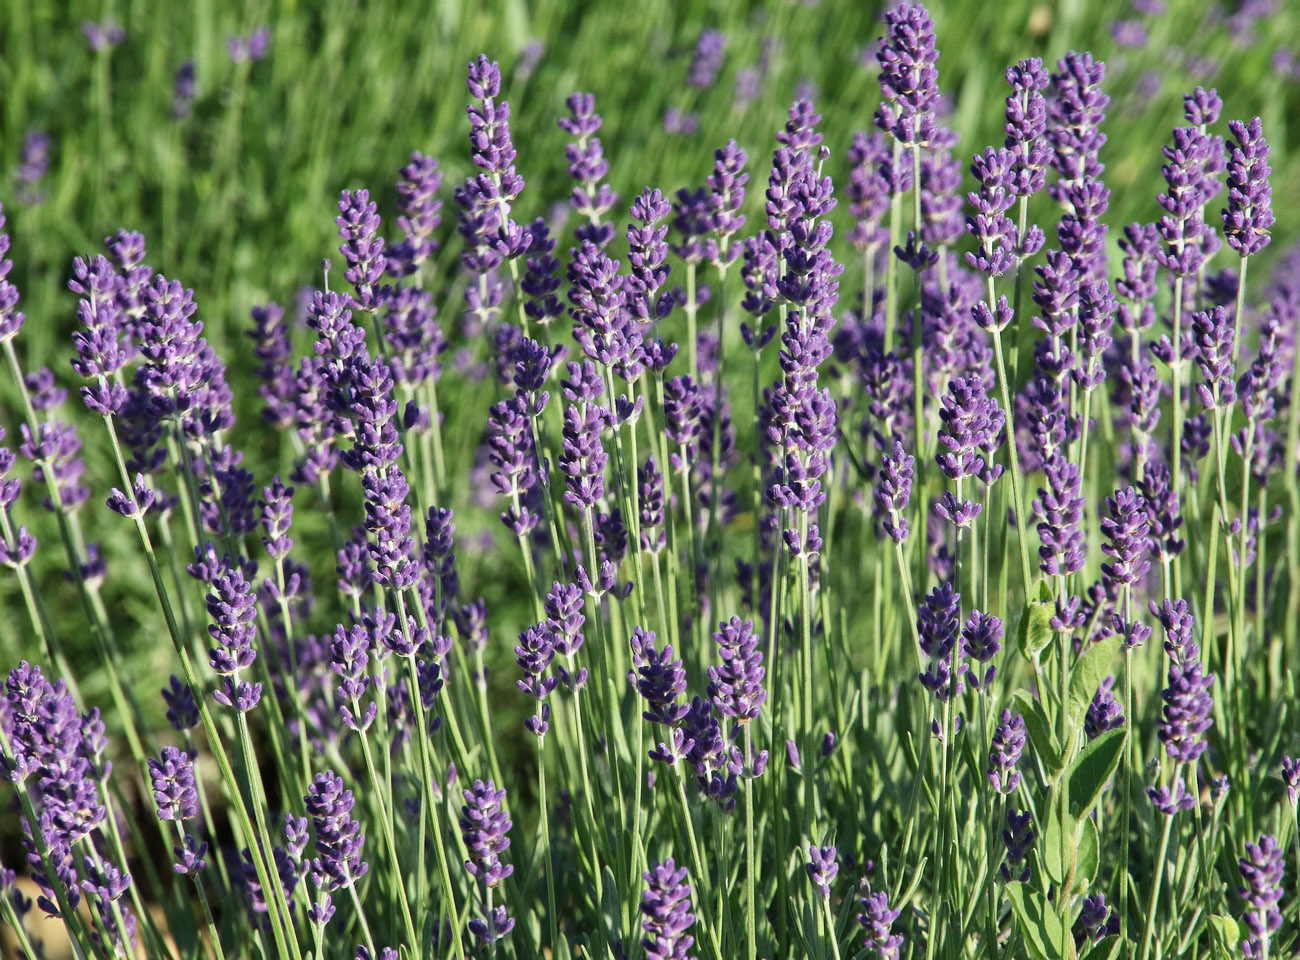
x=726 y=199
x=937 y=624
x=1214 y=335
x=419 y=214
x=1248 y=216
x=877 y=919
x=534 y=653
x=1187 y=712
x=659 y=678
x=736 y=687
x=1005 y=751
x=363 y=247
x=233 y=609
x=894 y=490
x=1096 y=919
x=1261 y=874
x=182 y=711
x=981 y=639
x=1026 y=125
x=339 y=839
x=1074 y=119
x=1125 y=529
x=174 y=789
x=706 y=61
x=666 y=909
x=909 y=75
x=822 y=868
x=11 y=319
x=591 y=199
x=1019 y=840
x=1291 y=778
x=1104 y=712
x=485 y=828
x=1059 y=508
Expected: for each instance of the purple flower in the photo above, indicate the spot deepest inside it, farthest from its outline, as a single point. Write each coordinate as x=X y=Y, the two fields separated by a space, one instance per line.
x=1291 y=779
x=1059 y=507
x=868 y=190
x=666 y=909
x=1104 y=711
x=33 y=164
x=362 y=247
x=877 y=919
x=706 y=61
x=995 y=235
x=1261 y=875
x=339 y=839
x=659 y=677
x=1213 y=333
x=726 y=199
x=1187 y=711
x=1177 y=620
x=1097 y=920
x=981 y=641
x=1074 y=118
x=350 y=653
x=1004 y=753
x=182 y=711
x=1163 y=512
x=937 y=625
x=102 y=36
x=11 y=318
x=185 y=88
x=1026 y=126
x=909 y=76
x=485 y=826
x=893 y=490
x=233 y=609
x=419 y=214
x=534 y=653
x=971 y=422
x=587 y=165
x=1018 y=838
x=648 y=256
x=1125 y=529
x=1249 y=213
x=822 y=868
x=174 y=790
x=736 y=687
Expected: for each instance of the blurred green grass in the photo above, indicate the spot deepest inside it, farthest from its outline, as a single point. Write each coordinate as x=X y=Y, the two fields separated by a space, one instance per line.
x=237 y=199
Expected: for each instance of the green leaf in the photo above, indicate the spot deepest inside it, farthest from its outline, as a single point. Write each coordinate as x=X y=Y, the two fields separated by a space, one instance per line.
x=1036 y=623
x=1104 y=949
x=1057 y=848
x=1043 y=931
x=1227 y=929
x=906 y=896
x=1089 y=852
x=1087 y=675
x=1040 y=732
x=1091 y=770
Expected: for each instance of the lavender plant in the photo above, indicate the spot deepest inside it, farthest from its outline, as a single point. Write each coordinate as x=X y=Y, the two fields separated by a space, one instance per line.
x=500 y=675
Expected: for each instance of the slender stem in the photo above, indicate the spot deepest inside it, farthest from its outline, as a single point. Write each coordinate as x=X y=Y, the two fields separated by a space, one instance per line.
x=1156 y=881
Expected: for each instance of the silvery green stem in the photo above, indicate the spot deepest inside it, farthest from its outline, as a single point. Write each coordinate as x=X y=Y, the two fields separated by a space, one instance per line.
x=286 y=942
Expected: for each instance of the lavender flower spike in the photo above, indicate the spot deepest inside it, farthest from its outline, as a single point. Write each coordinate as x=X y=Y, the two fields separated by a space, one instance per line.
x=1249 y=214
x=666 y=908
x=877 y=920
x=909 y=76
x=822 y=868
x=485 y=828
x=339 y=839
x=1261 y=874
